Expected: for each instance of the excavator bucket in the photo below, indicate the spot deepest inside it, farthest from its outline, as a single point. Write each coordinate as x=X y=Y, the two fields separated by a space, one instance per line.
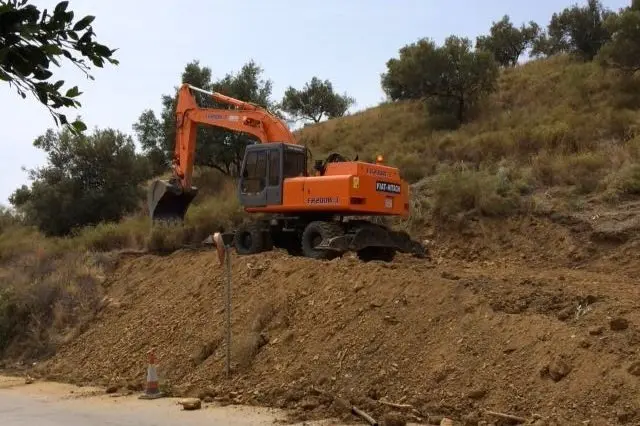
x=168 y=201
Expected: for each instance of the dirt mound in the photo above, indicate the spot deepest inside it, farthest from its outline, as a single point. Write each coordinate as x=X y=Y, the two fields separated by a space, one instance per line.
x=448 y=337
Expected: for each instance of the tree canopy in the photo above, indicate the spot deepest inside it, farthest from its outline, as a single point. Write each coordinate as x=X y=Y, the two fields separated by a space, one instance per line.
x=7 y=218
x=578 y=30
x=216 y=147
x=315 y=100
x=31 y=41
x=623 y=50
x=452 y=78
x=506 y=42
x=87 y=180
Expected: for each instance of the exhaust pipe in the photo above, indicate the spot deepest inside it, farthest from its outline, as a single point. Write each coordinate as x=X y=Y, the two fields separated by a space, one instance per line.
x=168 y=201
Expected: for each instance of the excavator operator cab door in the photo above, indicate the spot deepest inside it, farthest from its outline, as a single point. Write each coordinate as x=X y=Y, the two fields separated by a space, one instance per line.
x=263 y=170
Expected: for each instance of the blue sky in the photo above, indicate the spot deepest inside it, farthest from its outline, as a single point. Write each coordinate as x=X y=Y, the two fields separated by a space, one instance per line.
x=345 y=41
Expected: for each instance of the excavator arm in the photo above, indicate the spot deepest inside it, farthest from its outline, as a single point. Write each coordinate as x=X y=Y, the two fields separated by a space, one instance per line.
x=169 y=200
x=246 y=118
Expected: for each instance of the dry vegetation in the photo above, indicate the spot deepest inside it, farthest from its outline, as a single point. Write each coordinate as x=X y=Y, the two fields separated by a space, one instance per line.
x=555 y=130
x=553 y=124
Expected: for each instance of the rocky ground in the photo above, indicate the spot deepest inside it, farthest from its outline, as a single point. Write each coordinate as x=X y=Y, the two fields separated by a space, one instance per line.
x=536 y=317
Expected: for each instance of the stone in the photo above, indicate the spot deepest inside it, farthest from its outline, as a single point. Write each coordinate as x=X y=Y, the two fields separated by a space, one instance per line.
x=394 y=419
x=434 y=420
x=190 y=403
x=634 y=369
x=619 y=324
x=111 y=389
x=558 y=369
x=477 y=394
x=309 y=404
x=596 y=330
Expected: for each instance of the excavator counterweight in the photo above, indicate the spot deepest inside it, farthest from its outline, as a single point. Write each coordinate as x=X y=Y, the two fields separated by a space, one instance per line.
x=317 y=215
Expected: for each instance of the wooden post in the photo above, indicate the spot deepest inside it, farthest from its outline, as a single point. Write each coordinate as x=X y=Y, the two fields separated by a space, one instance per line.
x=227 y=309
x=224 y=256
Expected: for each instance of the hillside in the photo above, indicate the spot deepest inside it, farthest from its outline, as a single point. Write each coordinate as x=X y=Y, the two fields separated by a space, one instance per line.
x=527 y=305
x=552 y=124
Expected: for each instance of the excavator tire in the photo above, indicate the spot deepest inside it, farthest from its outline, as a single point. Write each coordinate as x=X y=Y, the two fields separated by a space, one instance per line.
x=251 y=239
x=314 y=233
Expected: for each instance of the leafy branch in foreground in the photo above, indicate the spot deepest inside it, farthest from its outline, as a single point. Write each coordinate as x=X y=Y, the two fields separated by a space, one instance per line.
x=31 y=40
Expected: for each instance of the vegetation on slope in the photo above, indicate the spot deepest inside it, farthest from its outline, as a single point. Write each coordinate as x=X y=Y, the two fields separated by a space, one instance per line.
x=552 y=124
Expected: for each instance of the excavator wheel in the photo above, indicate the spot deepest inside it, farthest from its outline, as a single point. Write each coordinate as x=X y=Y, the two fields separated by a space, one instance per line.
x=252 y=238
x=314 y=233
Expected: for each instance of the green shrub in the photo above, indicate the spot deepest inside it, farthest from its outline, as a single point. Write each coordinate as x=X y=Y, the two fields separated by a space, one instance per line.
x=461 y=190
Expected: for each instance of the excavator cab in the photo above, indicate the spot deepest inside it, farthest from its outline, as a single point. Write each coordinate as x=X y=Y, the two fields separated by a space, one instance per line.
x=264 y=168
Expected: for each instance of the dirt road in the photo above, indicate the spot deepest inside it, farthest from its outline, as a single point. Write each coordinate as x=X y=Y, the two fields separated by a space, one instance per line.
x=53 y=404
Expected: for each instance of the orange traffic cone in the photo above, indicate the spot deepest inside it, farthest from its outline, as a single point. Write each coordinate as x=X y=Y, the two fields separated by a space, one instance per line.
x=152 y=390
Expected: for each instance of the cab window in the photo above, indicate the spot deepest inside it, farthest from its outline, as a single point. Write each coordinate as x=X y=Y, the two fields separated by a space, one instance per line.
x=294 y=163
x=254 y=176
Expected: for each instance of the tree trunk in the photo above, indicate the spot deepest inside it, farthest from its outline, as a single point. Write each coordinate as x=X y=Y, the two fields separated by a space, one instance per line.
x=461 y=106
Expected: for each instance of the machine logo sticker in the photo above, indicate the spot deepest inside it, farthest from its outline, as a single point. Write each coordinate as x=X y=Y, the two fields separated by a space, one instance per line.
x=377 y=172
x=393 y=188
x=322 y=200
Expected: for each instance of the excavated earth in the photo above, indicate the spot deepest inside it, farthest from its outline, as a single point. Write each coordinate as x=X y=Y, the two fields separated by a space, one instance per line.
x=535 y=317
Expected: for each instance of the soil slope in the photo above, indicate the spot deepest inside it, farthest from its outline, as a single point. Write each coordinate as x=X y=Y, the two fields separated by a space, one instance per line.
x=536 y=317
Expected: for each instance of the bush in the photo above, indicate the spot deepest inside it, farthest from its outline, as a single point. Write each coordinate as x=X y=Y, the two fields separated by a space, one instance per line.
x=45 y=300
x=130 y=233
x=623 y=183
x=462 y=190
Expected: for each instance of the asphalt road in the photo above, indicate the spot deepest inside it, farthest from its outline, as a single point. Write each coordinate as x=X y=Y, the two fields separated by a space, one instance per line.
x=52 y=404
x=17 y=409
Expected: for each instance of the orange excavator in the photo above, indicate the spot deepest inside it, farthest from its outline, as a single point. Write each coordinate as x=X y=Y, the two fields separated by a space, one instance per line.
x=317 y=215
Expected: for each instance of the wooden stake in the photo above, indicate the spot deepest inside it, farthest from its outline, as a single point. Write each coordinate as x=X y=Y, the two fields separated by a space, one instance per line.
x=395 y=405
x=227 y=310
x=506 y=416
x=358 y=412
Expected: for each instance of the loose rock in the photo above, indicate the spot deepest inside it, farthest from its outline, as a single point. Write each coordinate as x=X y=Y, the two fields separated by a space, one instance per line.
x=309 y=404
x=634 y=368
x=558 y=369
x=477 y=393
x=619 y=324
x=394 y=419
x=190 y=403
x=434 y=420
x=596 y=331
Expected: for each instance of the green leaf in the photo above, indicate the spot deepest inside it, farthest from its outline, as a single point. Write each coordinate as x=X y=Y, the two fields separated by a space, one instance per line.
x=51 y=49
x=83 y=23
x=102 y=50
x=41 y=73
x=60 y=7
x=79 y=126
x=73 y=92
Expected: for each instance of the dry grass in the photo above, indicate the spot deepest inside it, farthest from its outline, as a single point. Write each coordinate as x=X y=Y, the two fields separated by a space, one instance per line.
x=46 y=298
x=552 y=123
